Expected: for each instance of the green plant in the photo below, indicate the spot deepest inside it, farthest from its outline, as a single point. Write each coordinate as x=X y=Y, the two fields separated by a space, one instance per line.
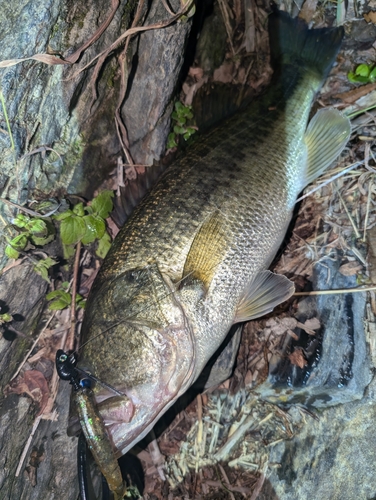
x=364 y=73
x=61 y=298
x=179 y=119
x=5 y=318
x=32 y=229
x=86 y=224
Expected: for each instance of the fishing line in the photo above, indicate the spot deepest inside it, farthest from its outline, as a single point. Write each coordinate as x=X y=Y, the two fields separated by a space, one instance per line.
x=343 y=172
x=121 y=320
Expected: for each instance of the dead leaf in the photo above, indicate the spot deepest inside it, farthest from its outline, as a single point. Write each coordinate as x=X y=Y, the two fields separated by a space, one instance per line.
x=352 y=96
x=292 y=334
x=32 y=383
x=36 y=457
x=297 y=358
x=308 y=10
x=351 y=268
x=370 y=17
x=45 y=58
x=310 y=325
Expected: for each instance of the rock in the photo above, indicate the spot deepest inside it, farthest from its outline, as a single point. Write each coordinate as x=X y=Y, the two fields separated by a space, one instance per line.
x=330 y=458
x=338 y=367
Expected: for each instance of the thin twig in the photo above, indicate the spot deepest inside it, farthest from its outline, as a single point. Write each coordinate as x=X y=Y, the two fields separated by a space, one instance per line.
x=33 y=345
x=357 y=234
x=75 y=56
x=101 y=57
x=331 y=292
x=27 y=445
x=367 y=209
x=70 y=339
x=340 y=174
x=2 y=100
x=226 y=20
x=120 y=127
x=226 y=483
x=165 y=5
x=27 y=210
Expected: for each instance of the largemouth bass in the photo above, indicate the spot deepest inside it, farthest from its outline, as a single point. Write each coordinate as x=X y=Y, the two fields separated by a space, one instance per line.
x=192 y=259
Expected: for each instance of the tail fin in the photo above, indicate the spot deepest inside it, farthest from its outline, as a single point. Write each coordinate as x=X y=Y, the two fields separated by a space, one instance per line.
x=291 y=42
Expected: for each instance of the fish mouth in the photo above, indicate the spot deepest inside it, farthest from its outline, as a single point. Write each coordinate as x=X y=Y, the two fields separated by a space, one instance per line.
x=131 y=419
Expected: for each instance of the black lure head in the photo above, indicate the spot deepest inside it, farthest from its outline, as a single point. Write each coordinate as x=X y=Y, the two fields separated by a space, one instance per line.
x=66 y=368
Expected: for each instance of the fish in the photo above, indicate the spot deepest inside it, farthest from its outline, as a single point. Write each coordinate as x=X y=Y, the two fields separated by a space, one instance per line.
x=192 y=259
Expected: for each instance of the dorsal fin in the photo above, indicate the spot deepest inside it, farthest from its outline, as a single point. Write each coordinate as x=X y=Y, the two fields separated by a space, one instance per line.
x=134 y=191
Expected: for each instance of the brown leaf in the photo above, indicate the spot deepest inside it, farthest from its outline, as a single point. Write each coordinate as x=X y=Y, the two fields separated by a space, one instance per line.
x=370 y=17
x=297 y=358
x=353 y=95
x=32 y=383
x=293 y=334
x=310 y=325
x=351 y=268
x=45 y=58
x=308 y=10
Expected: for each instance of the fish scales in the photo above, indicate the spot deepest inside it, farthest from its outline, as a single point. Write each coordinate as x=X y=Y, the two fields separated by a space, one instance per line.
x=192 y=259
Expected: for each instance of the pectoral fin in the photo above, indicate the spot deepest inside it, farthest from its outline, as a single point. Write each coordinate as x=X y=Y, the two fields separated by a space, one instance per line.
x=207 y=250
x=325 y=138
x=262 y=295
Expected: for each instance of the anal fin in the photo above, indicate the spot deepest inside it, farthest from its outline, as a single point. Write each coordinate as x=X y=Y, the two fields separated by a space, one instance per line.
x=262 y=295
x=325 y=138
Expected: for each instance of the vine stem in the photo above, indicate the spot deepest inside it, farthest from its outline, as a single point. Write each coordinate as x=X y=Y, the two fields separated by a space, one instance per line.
x=70 y=339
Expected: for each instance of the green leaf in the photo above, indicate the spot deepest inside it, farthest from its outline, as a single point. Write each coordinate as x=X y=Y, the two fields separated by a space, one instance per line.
x=363 y=70
x=68 y=251
x=171 y=141
x=61 y=294
x=72 y=229
x=11 y=253
x=80 y=301
x=179 y=130
x=352 y=77
x=63 y=215
x=43 y=240
x=179 y=106
x=372 y=75
x=37 y=226
x=104 y=245
x=57 y=305
x=21 y=220
x=60 y=300
x=19 y=242
x=95 y=228
x=42 y=267
x=102 y=204
x=5 y=318
x=79 y=209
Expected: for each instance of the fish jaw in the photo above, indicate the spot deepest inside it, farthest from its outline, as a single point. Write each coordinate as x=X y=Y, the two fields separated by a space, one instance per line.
x=149 y=335
x=129 y=418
